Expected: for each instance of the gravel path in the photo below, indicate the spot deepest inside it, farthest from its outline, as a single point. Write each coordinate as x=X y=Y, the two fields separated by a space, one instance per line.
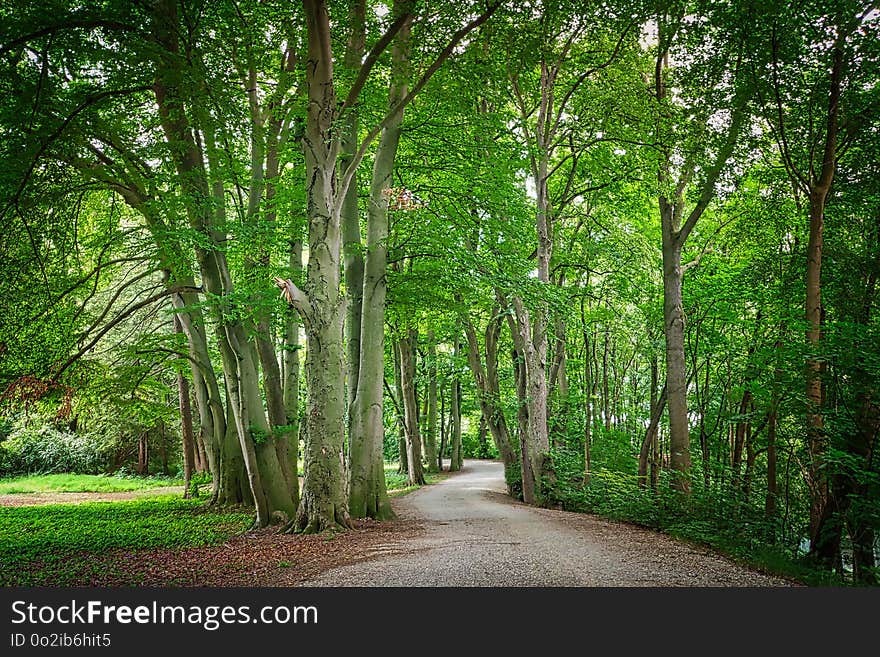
x=475 y=535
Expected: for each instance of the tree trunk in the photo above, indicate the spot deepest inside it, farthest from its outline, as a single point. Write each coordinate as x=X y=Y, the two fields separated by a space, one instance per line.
x=324 y=504
x=143 y=464
x=290 y=366
x=649 y=444
x=186 y=431
x=351 y=231
x=588 y=397
x=269 y=489
x=676 y=373
x=772 y=486
x=522 y=416
x=406 y=348
x=493 y=411
x=455 y=462
x=201 y=456
x=368 y=496
x=482 y=439
x=863 y=445
x=815 y=422
x=532 y=330
x=675 y=229
x=278 y=469
x=606 y=396
x=702 y=394
x=443 y=432
x=751 y=456
x=431 y=414
x=188 y=313
x=558 y=385
x=163 y=452
x=739 y=437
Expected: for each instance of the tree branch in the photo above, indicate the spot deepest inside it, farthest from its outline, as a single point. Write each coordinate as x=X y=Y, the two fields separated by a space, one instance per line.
x=119 y=318
x=371 y=59
x=583 y=76
x=70 y=23
x=426 y=76
x=295 y=297
x=708 y=190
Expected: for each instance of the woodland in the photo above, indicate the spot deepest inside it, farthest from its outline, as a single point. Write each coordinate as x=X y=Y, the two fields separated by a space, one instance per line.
x=630 y=249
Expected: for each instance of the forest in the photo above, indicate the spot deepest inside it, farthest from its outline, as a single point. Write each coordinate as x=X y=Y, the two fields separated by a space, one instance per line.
x=296 y=255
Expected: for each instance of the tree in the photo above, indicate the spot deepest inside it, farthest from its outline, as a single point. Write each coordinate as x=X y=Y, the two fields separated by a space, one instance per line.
x=677 y=223
x=830 y=53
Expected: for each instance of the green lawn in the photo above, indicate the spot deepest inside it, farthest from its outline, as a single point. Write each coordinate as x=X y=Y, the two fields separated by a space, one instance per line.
x=396 y=482
x=79 y=483
x=49 y=545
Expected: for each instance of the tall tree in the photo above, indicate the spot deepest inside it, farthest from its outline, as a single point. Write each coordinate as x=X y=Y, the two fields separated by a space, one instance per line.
x=677 y=222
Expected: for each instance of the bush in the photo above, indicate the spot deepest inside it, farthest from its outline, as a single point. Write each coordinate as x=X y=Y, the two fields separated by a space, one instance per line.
x=45 y=449
x=513 y=479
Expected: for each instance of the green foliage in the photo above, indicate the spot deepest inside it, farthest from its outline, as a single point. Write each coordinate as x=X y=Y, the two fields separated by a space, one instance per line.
x=51 y=544
x=472 y=448
x=513 y=478
x=44 y=449
x=394 y=480
x=714 y=517
x=96 y=218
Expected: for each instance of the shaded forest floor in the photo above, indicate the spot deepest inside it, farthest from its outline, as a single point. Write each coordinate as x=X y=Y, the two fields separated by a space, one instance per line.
x=261 y=558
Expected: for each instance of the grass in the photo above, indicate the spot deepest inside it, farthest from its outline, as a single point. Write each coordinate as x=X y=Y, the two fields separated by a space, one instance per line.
x=66 y=544
x=393 y=479
x=396 y=482
x=79 y=483
x=49 y=545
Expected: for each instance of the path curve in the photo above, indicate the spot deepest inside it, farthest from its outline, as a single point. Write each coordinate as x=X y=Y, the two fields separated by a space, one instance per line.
x=475 y=535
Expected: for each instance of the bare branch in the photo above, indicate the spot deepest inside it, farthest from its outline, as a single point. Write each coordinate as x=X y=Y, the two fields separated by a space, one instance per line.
x=295 y=297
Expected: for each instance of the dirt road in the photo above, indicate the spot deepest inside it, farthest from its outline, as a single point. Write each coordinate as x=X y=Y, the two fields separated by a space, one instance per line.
x=475 y=535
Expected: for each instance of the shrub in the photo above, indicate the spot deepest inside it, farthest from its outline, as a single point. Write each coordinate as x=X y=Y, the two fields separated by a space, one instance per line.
x=46 y=449
x=513 y=479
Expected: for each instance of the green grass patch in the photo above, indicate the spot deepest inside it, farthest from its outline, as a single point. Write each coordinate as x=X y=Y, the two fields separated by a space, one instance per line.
x=396 y=483
x=394 y=480
x=48 y=545
x=80 y=483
